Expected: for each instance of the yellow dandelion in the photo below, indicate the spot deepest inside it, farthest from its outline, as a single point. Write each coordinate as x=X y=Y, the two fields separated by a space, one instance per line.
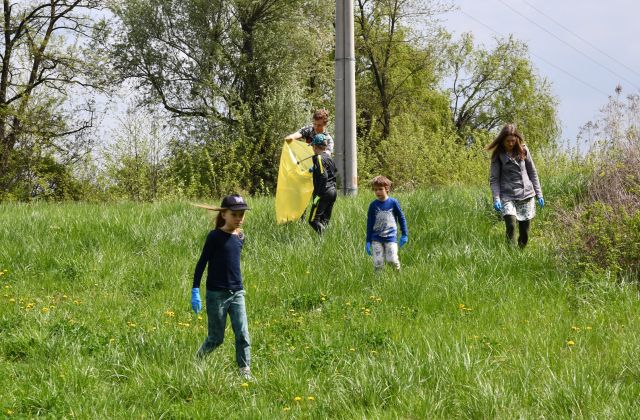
x=12 y=300
x=571 y=343
x=461 y=305
x=574 y=328
x=352 y=349
x=45 y=310
x=297 y=399
x=111 y=340
x=64 y=296
x=30 y=305
x=170 y=313
x=587 y=328
x=286 y=409
x=77 y=302
x=8 y=412
x=311 y=398
x=244 y=385
x=199 y=317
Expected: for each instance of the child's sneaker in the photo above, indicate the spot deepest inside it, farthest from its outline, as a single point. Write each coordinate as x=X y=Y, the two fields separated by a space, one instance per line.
x=245 y=373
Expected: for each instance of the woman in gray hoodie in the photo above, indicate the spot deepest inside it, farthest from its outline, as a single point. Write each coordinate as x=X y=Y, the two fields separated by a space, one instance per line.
x=514 y=182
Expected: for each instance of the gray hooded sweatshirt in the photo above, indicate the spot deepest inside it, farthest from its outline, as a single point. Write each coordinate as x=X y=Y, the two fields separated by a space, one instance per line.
x=513 y=179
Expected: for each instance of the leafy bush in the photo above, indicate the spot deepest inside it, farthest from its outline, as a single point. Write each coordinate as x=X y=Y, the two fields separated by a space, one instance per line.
x=604 y=240
x=603 y=237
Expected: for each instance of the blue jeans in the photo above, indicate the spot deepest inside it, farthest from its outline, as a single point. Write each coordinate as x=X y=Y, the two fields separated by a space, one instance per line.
x=219 y=303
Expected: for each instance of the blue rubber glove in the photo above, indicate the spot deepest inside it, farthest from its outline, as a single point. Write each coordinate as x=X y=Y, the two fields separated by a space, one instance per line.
x=497 y=205
x=403 y=240
x=541 y=202
x=196 y=303
x=367 y=247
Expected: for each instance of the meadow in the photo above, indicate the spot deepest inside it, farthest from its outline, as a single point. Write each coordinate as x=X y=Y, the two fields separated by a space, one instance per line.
x=95 y=319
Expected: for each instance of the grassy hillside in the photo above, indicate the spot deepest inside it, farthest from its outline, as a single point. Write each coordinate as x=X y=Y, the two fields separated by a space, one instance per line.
x=95 y=318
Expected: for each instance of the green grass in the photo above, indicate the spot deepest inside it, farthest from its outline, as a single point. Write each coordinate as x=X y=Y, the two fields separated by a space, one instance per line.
x=95 y=318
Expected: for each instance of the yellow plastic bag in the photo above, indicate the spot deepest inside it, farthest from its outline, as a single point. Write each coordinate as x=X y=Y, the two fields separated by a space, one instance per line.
x=295 y=183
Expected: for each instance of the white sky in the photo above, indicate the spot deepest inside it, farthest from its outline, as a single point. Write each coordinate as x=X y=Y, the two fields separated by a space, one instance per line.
x=613 y=26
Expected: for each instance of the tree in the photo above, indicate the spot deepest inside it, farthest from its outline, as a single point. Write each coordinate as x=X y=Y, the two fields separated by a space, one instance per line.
x=492 y=87
x=135 y=162
x=225 y=67
x=393 y=54
x=43 y=63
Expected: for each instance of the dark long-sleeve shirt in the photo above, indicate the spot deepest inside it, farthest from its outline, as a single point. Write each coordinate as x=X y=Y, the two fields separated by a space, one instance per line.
x=381 y=221
x=324 y=174
x=514 y=179
x=221 y=253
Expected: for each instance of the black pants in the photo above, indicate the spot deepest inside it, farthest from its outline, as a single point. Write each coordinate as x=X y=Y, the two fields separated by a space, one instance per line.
x=523 y=230
x=321 y=210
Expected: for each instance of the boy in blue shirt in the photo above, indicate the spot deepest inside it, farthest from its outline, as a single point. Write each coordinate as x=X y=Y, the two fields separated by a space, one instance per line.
x=383 y=218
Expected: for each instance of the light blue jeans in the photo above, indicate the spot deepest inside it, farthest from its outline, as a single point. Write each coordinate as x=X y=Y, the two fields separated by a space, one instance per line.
x=219 y=303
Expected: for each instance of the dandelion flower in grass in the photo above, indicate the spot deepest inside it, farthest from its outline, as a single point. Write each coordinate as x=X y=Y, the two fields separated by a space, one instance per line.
x=45 y=310
x=460 y=305
x=286 y=409
x=170 y=313
x=244 y=385
x=12 y=300
x=352 y=349
x=311 y=398
x=297 y=399
x=571 y=343
x=8 y=412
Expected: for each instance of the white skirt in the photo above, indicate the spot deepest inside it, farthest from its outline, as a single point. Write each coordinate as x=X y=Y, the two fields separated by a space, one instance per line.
x=523 y=209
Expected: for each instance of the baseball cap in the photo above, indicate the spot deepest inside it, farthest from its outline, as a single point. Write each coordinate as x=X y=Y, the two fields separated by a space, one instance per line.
x=319 y=140
x=229 y=202
x=234 y=202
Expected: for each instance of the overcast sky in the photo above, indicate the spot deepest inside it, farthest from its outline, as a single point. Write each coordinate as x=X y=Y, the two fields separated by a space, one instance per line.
x=549 y=27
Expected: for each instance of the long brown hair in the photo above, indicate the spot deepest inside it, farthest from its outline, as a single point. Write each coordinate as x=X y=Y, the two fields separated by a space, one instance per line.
x=497 y=145
x=219 y=219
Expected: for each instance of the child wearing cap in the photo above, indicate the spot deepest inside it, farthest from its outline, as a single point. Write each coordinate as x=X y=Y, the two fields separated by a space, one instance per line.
x=383 y=218
x=319 y=126
x=324 y=184
x=225 y=291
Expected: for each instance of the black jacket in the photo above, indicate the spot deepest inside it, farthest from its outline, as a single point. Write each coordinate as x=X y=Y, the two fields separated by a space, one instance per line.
x=324 y=174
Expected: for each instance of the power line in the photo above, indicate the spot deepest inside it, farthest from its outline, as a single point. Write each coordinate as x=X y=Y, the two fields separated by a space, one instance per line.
x=569 y=45
x=540 y=58
x=580 y=38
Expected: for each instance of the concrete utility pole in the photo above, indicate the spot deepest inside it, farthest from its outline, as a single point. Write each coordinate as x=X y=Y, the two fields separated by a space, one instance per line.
x=345 y=77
